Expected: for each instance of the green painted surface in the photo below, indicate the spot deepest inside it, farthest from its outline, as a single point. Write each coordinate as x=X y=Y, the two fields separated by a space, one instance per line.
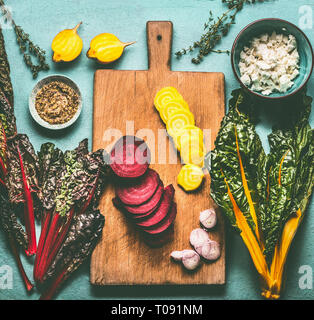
x=127 y=19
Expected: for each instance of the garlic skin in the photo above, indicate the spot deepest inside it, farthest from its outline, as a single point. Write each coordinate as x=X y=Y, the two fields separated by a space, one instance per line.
x=208 y=218
x=209 y=250
x=176 y=255
x=203 y=245
x=198 y=237
x=190 y=259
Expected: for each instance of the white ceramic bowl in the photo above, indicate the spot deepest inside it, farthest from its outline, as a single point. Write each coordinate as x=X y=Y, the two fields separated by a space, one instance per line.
x=34 y=92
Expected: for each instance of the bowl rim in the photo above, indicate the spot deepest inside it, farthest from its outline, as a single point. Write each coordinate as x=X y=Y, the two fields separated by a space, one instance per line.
x=254 y=92
x=31 y=102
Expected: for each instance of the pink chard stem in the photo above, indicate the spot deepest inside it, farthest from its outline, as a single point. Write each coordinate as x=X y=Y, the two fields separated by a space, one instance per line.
x=48 y=244
x=49 y=294
x=57 y=245
x=28 y=285
x=29 y=216
x=41 y=243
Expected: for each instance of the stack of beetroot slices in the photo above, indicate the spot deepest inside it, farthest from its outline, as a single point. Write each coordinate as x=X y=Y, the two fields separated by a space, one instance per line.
x=140 y=193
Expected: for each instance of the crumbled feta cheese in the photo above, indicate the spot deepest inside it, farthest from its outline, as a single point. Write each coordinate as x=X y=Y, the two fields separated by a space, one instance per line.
x=246 y=79
x=270 y=63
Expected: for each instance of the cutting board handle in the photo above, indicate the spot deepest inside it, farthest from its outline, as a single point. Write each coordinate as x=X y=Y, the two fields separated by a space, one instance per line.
x=159 y=41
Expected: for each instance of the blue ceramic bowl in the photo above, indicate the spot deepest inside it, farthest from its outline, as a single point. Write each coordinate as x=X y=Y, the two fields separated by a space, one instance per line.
x=263 y=26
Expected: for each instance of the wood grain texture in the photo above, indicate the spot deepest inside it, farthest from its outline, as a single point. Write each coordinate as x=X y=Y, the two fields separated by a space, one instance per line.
x=124 y=100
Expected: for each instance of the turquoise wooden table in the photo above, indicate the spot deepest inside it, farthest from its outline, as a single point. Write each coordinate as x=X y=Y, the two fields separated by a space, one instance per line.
x=127 y=19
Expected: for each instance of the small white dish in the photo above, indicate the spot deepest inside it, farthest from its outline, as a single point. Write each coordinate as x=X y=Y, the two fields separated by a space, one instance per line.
x=32 y=99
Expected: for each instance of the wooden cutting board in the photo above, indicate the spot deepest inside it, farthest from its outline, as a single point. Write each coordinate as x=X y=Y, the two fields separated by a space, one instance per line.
x=123 y=104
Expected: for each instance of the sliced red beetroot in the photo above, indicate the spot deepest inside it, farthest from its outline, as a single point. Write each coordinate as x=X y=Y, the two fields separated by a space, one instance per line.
x=162 y=211
x=137 y=192
x=138 y=217
x=130 y=157
x=148 y=206
x=165 y=223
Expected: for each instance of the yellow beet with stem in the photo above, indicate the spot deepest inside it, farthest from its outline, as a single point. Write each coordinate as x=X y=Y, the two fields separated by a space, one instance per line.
x=67 y=45
x=106 y=48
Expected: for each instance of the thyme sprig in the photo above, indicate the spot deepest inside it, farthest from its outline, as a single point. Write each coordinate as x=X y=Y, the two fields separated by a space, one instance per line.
x=27 y=47
x=215 y=30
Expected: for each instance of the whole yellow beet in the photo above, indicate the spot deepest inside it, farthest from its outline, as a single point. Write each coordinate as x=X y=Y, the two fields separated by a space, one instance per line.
x=106 y=48
x=67 y=45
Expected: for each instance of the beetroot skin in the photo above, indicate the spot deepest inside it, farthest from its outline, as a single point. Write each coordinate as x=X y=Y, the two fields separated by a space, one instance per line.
x=130 y=157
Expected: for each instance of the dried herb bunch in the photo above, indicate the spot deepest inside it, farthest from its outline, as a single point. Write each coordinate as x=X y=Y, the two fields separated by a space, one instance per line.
x=27 y=47
x=215 y=29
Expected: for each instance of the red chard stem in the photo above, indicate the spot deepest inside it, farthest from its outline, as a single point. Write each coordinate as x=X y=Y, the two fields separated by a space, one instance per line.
x=56 y=245
x=3 y=167
x=28 y=211
x=48 y=244
x=28 y=285
x=2 y=182
x=49 y=294
x=43 y=235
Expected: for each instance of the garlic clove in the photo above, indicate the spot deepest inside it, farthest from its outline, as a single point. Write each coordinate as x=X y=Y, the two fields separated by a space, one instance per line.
x=198 y=237
x=208 y=218
x=190 y=259
x=176 y=255
x=210 y=250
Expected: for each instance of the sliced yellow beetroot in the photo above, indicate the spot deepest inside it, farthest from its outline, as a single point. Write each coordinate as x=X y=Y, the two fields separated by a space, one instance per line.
x=165 y=223
x=162 y=210
x=140 y=190
x=130 y=157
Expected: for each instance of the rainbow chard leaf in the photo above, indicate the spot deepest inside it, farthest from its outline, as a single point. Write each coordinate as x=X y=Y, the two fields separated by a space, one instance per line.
x=7 y=116
x=264 y=197
x=235 y=169
x=82 y=238
x=72 y=184
x=235 y=163
x=15 y=235
x=5 y=79
x=23 y=172
x=291 y=183
x=8 y=216
x=290 y=176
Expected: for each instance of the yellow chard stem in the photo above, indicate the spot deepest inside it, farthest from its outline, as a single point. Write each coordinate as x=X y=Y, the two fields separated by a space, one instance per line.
x=282 y=248
x=281 y=254
x=250 y=240
x=247 y=191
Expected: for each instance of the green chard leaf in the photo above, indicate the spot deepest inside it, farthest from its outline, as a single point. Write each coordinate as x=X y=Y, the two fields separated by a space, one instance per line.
x=264 y=196
x=237 y=159
x=5 y=79
x=82 y=237
x=9 y=222
x=50 y=163
x=30 y=164
x=290 y=164
x=7 y=116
